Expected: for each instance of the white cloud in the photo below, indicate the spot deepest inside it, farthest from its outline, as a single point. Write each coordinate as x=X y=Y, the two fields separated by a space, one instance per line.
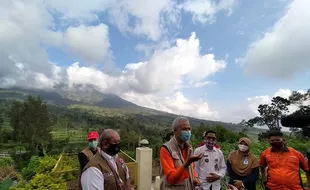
x=248 y=108
x=157 y=83
x=204 y=11
x=151 y=22
x=284 y=50
x=130 y=16
x=89 y=42
x=23 y=32
x=175 y=103
x=169 y=69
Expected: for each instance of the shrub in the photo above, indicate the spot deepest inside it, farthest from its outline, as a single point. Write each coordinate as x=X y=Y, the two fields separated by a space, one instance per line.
x=7 y=161
x=46 y=181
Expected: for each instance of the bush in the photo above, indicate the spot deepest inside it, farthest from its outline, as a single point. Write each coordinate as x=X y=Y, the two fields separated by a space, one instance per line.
x=46 y=181
x=38 y=165
x=7 y=161
x=29 y=171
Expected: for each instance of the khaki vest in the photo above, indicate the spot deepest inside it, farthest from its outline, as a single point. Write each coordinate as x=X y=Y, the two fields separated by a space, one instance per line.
x=88 y=153
x=110 y=179
x=175 y=152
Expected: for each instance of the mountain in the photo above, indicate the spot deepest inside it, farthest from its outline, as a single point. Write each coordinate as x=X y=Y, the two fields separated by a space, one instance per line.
x=89 y=99
x=84 y=96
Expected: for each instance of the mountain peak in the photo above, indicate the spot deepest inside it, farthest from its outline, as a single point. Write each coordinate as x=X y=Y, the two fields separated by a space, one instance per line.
x=86 y=95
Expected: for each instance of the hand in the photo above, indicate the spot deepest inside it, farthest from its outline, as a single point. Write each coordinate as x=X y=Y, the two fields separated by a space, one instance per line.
x=238 y=183
x=197 y=182
x=192 y=158
x=212 y=177
x=231 y=187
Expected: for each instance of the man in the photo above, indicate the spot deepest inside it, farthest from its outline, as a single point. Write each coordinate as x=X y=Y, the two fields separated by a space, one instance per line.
x=211 y=168
x=284 y=164
x=203 y=142
x=176 y=159
x=90 y=151
x=106 y=170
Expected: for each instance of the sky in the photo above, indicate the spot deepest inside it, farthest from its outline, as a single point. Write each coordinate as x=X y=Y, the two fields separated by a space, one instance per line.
x=210 y=59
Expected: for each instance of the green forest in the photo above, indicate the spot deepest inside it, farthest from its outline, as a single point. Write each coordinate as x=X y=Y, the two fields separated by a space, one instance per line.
x=33 y=135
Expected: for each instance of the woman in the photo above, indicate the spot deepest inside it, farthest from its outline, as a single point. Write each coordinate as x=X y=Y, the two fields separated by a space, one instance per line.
x=243 y=166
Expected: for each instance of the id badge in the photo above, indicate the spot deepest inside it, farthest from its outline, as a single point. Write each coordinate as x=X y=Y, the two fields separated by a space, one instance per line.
x=245 y=161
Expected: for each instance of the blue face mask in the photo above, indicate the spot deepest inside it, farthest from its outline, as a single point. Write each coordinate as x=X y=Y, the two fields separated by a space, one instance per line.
x=185 y=135
x=93 y=144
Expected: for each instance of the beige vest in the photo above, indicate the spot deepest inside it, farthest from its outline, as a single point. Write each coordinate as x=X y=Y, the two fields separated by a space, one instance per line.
x=110 y=177
x=88 y=153
x=175 y=152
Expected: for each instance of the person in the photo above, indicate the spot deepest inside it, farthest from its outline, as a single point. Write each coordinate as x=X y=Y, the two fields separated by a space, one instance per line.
x=284 y=164
x=212 y=167
x=176 y=159
x=203 y=142
x=106 y=170
x=243 y=166
x=90 y=151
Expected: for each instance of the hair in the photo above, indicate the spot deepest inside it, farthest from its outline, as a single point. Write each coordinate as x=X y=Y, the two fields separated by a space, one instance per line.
x=176 y=123
x=207 y=132
x=275 y=134
x=106 y=136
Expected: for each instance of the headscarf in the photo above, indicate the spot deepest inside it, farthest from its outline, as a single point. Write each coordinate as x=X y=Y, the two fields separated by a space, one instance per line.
x=236 y=159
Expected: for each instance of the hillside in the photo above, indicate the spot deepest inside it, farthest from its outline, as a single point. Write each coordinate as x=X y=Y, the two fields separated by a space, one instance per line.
x=110 y=105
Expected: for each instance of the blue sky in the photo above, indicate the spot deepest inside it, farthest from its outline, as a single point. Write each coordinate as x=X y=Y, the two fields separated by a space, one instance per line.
x=231 y=55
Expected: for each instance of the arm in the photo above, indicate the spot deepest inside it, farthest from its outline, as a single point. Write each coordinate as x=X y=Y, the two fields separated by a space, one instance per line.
x=173 y=175
x=83 y=160
x=263 y=165
x=197 y=165
x=229 y=169
x=92 y=179
x=128 y=182
x=223 y=166
x=304 y=166
x=253 y=177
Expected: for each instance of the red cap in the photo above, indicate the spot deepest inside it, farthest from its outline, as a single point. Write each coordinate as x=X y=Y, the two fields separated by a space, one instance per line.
x=92 y=135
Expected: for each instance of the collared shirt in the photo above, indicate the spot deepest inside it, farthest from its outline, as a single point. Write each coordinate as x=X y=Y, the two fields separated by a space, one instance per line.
x=284 y=165
x=92 y=178
x=212 y=162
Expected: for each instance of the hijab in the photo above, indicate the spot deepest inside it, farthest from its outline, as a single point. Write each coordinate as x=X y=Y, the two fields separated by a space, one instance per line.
x=237 y=159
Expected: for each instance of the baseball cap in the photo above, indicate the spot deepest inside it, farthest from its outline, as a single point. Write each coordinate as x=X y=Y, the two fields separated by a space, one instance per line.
x=92 y=135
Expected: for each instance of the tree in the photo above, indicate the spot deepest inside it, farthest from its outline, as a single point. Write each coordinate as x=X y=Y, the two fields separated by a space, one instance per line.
x=301 y=100
x=31 y=122
x=270 y=114
x=246 y=124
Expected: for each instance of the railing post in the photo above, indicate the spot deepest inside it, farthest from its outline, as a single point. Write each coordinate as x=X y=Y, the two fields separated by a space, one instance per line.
x=144 y=159
x=157 y=183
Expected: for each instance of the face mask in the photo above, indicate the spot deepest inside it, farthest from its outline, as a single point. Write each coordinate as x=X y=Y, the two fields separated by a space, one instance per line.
x=113 y=149
x=243 y=148
x=277 y=145
x=210 y=143
x=185 y=135
x=92 y=144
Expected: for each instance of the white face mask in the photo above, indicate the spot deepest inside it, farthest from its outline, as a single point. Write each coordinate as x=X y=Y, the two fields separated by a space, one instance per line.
x=243 y=148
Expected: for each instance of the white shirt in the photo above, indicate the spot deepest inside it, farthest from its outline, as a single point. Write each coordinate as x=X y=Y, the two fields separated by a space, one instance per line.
x=213 y=161
x=93 y=179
